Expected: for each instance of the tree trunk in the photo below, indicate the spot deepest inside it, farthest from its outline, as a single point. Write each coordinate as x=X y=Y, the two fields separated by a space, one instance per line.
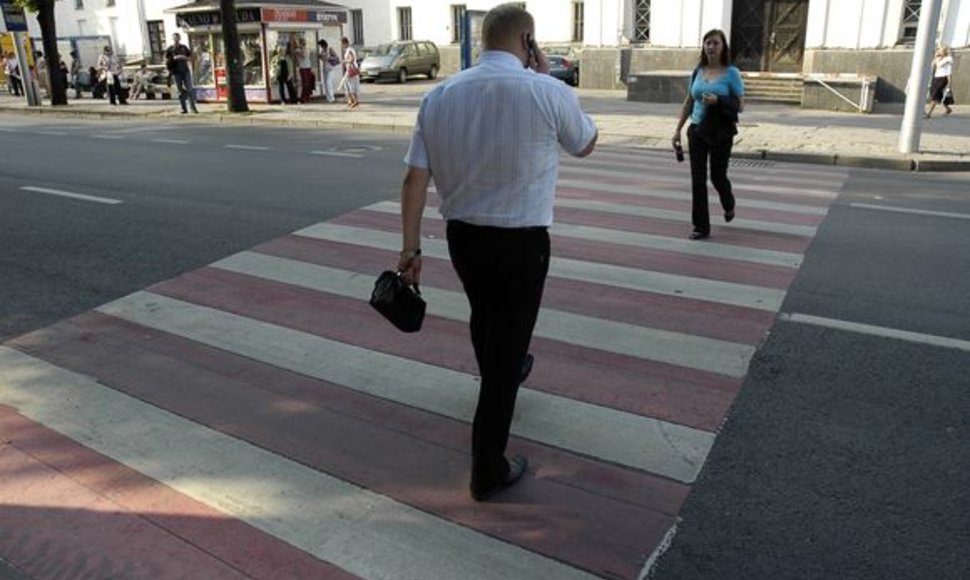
x=234 y=64
x=48 y=31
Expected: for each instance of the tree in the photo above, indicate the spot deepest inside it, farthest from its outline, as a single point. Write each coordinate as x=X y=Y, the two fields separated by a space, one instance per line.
x=48 y=31
x=234 y=64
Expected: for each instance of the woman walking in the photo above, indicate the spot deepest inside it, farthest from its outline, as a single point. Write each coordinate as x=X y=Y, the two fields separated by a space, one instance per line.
x=351 y=80
x=940 y=91
x=714 y=98
x=307 y=78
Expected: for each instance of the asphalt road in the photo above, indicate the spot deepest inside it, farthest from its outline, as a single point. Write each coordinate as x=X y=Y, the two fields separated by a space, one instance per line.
x=846 y=455
x=190 y=194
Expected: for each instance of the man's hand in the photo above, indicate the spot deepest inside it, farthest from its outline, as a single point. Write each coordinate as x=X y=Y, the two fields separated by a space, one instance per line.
x=539 y=62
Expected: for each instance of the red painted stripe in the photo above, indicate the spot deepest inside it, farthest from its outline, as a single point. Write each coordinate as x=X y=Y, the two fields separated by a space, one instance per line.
x=674 y=313
x=563 y=509
x=742 y=188
x=683 y=205
x=689 y=397
x=70 y=512
x=739 y=272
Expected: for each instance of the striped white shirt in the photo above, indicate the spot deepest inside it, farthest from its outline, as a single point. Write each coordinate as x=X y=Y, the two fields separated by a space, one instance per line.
x=491 y=135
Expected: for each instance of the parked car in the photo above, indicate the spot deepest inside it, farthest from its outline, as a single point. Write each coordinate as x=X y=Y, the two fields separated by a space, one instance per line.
x=399 y=60
x=564 y=63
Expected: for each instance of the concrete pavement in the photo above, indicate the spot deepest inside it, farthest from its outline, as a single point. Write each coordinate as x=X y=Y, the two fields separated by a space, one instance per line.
x=774 y=132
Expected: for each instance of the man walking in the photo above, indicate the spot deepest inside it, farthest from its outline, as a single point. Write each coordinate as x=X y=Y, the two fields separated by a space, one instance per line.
x=496 y=179
x=177 y=62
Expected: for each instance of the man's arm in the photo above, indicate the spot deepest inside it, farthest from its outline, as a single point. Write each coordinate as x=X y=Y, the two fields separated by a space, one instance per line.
x=589 y=148
x=414 y=194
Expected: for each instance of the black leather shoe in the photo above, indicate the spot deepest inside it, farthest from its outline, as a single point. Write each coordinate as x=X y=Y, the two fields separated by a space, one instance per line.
x=728 y=216
x=526 y=367
x=517 y=468
x=696 y=235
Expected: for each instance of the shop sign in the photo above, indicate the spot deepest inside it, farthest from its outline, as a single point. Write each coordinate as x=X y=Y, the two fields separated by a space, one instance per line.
x=331 y=17
x=214 y=18
x=284 y=15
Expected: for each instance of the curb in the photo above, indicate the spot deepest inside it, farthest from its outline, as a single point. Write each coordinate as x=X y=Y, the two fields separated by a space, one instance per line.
x=254 y=119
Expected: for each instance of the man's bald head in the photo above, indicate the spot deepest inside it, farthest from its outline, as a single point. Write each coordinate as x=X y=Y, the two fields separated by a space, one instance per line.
x=504 y=27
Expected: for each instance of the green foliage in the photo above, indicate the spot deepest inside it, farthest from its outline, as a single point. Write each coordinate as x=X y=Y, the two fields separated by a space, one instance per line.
x=34 y=5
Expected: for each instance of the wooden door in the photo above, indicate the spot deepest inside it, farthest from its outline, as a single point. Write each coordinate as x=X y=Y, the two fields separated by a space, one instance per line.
x=785 y=35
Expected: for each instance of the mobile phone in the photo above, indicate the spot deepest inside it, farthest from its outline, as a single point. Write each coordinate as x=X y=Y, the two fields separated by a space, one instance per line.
x=679 y=152
x=532 y=47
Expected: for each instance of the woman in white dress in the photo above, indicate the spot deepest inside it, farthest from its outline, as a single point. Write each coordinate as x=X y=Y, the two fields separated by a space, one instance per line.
x=351 y=80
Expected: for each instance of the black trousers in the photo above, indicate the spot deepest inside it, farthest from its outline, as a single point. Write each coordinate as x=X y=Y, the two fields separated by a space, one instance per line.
x=719 y=154
x=503 y=272
x=116 y=92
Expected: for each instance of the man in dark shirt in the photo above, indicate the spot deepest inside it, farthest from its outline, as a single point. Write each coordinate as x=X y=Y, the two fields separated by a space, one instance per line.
x=177 y=61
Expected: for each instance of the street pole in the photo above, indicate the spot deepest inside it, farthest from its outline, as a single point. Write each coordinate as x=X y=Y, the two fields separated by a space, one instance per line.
x=26 y=78
x=909 y=134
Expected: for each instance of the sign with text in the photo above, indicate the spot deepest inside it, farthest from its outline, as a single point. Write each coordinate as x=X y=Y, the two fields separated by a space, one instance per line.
x=214 y=17
x=14 y=19
x=289 y=15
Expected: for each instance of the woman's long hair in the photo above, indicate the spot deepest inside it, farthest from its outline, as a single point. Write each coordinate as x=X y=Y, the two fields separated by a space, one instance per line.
x=725 y=52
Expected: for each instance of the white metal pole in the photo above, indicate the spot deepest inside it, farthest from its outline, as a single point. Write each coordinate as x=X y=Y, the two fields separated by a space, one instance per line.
x=909 y=134
x=26 y=78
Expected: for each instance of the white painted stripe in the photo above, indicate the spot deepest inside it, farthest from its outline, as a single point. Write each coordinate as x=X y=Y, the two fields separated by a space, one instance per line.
x=81 y=196
x=706 y=248
x=881 y=331
x=336 y=154
x=247 y=147
x=9 y=130
x=112 y=137
x=685 y=350
x=680 y=216
x=172 y=141
x=362 y=532
x=685 y=196
x=52 y=133
x=889 y=208
x=621 y=277
x=637 y=158
x=644 y=443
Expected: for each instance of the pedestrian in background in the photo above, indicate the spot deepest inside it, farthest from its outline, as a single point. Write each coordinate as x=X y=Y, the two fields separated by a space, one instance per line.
x=351 y=81
x=14 y=78
x=40 y=69
x=283 y=70
x=714 y=98
x=307 y=78
x=109 y=69
x=329 y=62
x=497 y=184
x=177 y=58
x=76 y=73
x=941 y=92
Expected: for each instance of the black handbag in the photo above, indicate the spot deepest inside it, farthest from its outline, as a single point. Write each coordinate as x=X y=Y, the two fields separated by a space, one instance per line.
x=398 y=302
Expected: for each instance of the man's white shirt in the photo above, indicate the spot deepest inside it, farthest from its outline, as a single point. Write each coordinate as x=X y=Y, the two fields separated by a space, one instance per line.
x=491 y=135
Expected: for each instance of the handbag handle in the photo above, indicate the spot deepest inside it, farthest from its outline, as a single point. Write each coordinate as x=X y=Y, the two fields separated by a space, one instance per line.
x=415 y=285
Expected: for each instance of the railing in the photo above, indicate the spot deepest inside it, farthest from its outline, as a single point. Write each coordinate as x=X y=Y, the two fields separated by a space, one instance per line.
x=862 y=105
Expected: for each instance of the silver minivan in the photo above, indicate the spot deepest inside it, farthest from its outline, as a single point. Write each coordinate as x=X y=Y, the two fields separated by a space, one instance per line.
x=399 y=60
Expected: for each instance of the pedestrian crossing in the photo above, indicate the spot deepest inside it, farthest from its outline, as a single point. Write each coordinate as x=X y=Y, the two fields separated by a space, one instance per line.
x=263 y=396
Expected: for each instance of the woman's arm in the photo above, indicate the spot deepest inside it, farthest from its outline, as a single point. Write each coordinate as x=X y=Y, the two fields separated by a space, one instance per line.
x=684 y=115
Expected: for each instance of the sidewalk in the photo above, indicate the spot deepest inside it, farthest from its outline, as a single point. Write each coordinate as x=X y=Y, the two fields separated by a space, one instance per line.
x=767 y=131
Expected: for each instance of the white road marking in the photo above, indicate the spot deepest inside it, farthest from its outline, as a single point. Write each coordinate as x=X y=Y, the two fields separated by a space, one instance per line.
x=890 y=208
x=115 y=137
x=365 y=533
x=81 y=196
x=336 y=154
x=173 y=141
x=881 y=331
x=52 y=133
x=247 y=147
x=645 y=443
x=747 y=296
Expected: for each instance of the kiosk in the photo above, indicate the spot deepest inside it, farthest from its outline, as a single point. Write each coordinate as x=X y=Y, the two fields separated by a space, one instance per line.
x=265 y=28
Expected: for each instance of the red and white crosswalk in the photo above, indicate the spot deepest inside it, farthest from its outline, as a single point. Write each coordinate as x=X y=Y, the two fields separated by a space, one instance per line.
x=255 y=418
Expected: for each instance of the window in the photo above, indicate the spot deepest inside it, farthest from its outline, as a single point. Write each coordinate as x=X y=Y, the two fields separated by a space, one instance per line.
x=82 y=27
x=457 y=19
x=641 y=21
x=910 y=22
x=404 y=23
x=109 y=3
x=156 y=39
x=357 y=17
x=79 y=4
x=519 y=4
x=577 y=21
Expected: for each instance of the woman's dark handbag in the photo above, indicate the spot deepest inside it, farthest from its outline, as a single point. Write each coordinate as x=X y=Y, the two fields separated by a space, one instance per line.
x=948 y=96
x=398 y=302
